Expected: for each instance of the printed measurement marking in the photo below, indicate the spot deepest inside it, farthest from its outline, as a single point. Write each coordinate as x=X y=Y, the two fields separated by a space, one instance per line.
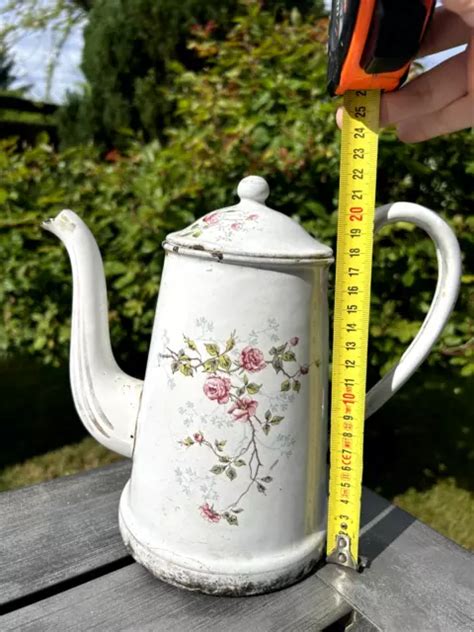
x=351 y=317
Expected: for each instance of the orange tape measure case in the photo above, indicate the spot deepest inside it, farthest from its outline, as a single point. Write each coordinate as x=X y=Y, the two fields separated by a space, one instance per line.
x=372 y=42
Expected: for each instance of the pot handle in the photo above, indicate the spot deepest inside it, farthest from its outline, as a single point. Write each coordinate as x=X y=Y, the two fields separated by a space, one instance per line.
x=447 y=289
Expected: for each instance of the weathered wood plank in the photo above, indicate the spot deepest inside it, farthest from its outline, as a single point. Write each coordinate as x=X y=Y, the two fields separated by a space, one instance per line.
x=52 y=532
x=418 y=580
x=61 y=530
x=131 y=599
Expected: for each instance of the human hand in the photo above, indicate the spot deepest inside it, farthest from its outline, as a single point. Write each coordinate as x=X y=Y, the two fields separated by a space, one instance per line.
x=440 y=100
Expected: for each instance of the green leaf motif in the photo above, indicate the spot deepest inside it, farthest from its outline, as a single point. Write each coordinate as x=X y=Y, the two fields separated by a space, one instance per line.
x=212 y=349
x=268 y=415
x=267 y=479
x=217 y=469
x=277 y=364
x=225 y=363
x=241 y=391
x=220 y=444
x=285 y=386
x=231 y=473
x=253 y=388
x=230 y=344
x=174 y=366
x=289 y=356
x=210 y=366
x=276 y=420
x=239 y=463
x=261 y=488
x=282 y=348
x=186 y=369
x=190 y=343
x=245 y=379
x=231 y=519
x=187 y=442
x=296 y=386
x=237 y=510
x=224 y=459
x=266 y=428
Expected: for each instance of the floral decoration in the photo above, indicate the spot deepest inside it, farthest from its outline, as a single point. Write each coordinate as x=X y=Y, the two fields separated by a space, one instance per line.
x=224 y=224
x=234 y=379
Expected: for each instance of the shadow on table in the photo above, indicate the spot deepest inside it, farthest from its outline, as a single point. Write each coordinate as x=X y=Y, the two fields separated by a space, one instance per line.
x=381 y=524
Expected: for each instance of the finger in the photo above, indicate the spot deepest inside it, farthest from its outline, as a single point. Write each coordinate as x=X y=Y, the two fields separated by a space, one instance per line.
x=339 y=114
x=431 y=91
x=446 y=30
x=464 y=8
x=454 y=117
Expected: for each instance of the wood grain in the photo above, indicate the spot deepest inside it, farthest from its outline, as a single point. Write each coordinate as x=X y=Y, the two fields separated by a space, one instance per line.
x=418 y=580
x=56 y=531
x=131 y=599
x=63 y=537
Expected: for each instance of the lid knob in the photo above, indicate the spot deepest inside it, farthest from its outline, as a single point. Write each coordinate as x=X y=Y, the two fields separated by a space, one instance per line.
x=253 y=188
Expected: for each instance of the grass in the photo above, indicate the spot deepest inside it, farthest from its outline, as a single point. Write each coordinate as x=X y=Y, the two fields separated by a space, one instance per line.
x=444 y=506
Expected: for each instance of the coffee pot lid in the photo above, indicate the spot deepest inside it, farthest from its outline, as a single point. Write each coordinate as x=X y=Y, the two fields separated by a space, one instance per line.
x=249 y=229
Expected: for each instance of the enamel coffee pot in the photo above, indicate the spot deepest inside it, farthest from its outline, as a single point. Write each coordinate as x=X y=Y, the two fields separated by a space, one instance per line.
x=228 y=431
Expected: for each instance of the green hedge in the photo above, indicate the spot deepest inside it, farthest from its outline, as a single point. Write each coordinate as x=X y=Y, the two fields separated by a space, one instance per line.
x=259 y=107
x=124 y=61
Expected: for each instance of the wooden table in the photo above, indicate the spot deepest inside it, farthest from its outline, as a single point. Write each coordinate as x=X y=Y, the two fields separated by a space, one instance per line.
x=64 y=567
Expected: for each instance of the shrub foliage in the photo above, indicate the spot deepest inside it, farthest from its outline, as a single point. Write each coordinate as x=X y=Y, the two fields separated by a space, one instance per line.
x=127 y=46
x=259 y=106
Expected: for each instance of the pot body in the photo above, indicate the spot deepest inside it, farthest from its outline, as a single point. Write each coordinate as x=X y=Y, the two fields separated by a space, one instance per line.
x=228 y=487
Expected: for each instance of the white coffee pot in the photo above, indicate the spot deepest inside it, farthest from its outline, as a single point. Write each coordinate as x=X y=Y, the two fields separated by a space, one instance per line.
x=228 y=431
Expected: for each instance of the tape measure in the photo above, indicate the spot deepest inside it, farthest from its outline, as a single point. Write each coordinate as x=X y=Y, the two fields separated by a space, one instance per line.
x=371 y=46
x=355 y=230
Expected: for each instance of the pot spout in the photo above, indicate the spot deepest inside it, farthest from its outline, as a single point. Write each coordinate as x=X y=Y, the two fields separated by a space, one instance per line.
x=106 y=399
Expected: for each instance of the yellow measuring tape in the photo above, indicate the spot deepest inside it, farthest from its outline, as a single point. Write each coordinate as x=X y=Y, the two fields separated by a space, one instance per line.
x=355 y=231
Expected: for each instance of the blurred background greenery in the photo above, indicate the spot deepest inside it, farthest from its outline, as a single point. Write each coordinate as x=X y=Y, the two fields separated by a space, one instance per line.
x=181 y=101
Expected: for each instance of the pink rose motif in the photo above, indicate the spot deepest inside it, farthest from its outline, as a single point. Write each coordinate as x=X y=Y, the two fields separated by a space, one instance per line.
x=198 y=437
x=294 y=341
x=217 y=388
x=243 y=409
x=213 y=218
x=254 y=216
x=236 y=226
x=251 y=359
x=208 y=513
